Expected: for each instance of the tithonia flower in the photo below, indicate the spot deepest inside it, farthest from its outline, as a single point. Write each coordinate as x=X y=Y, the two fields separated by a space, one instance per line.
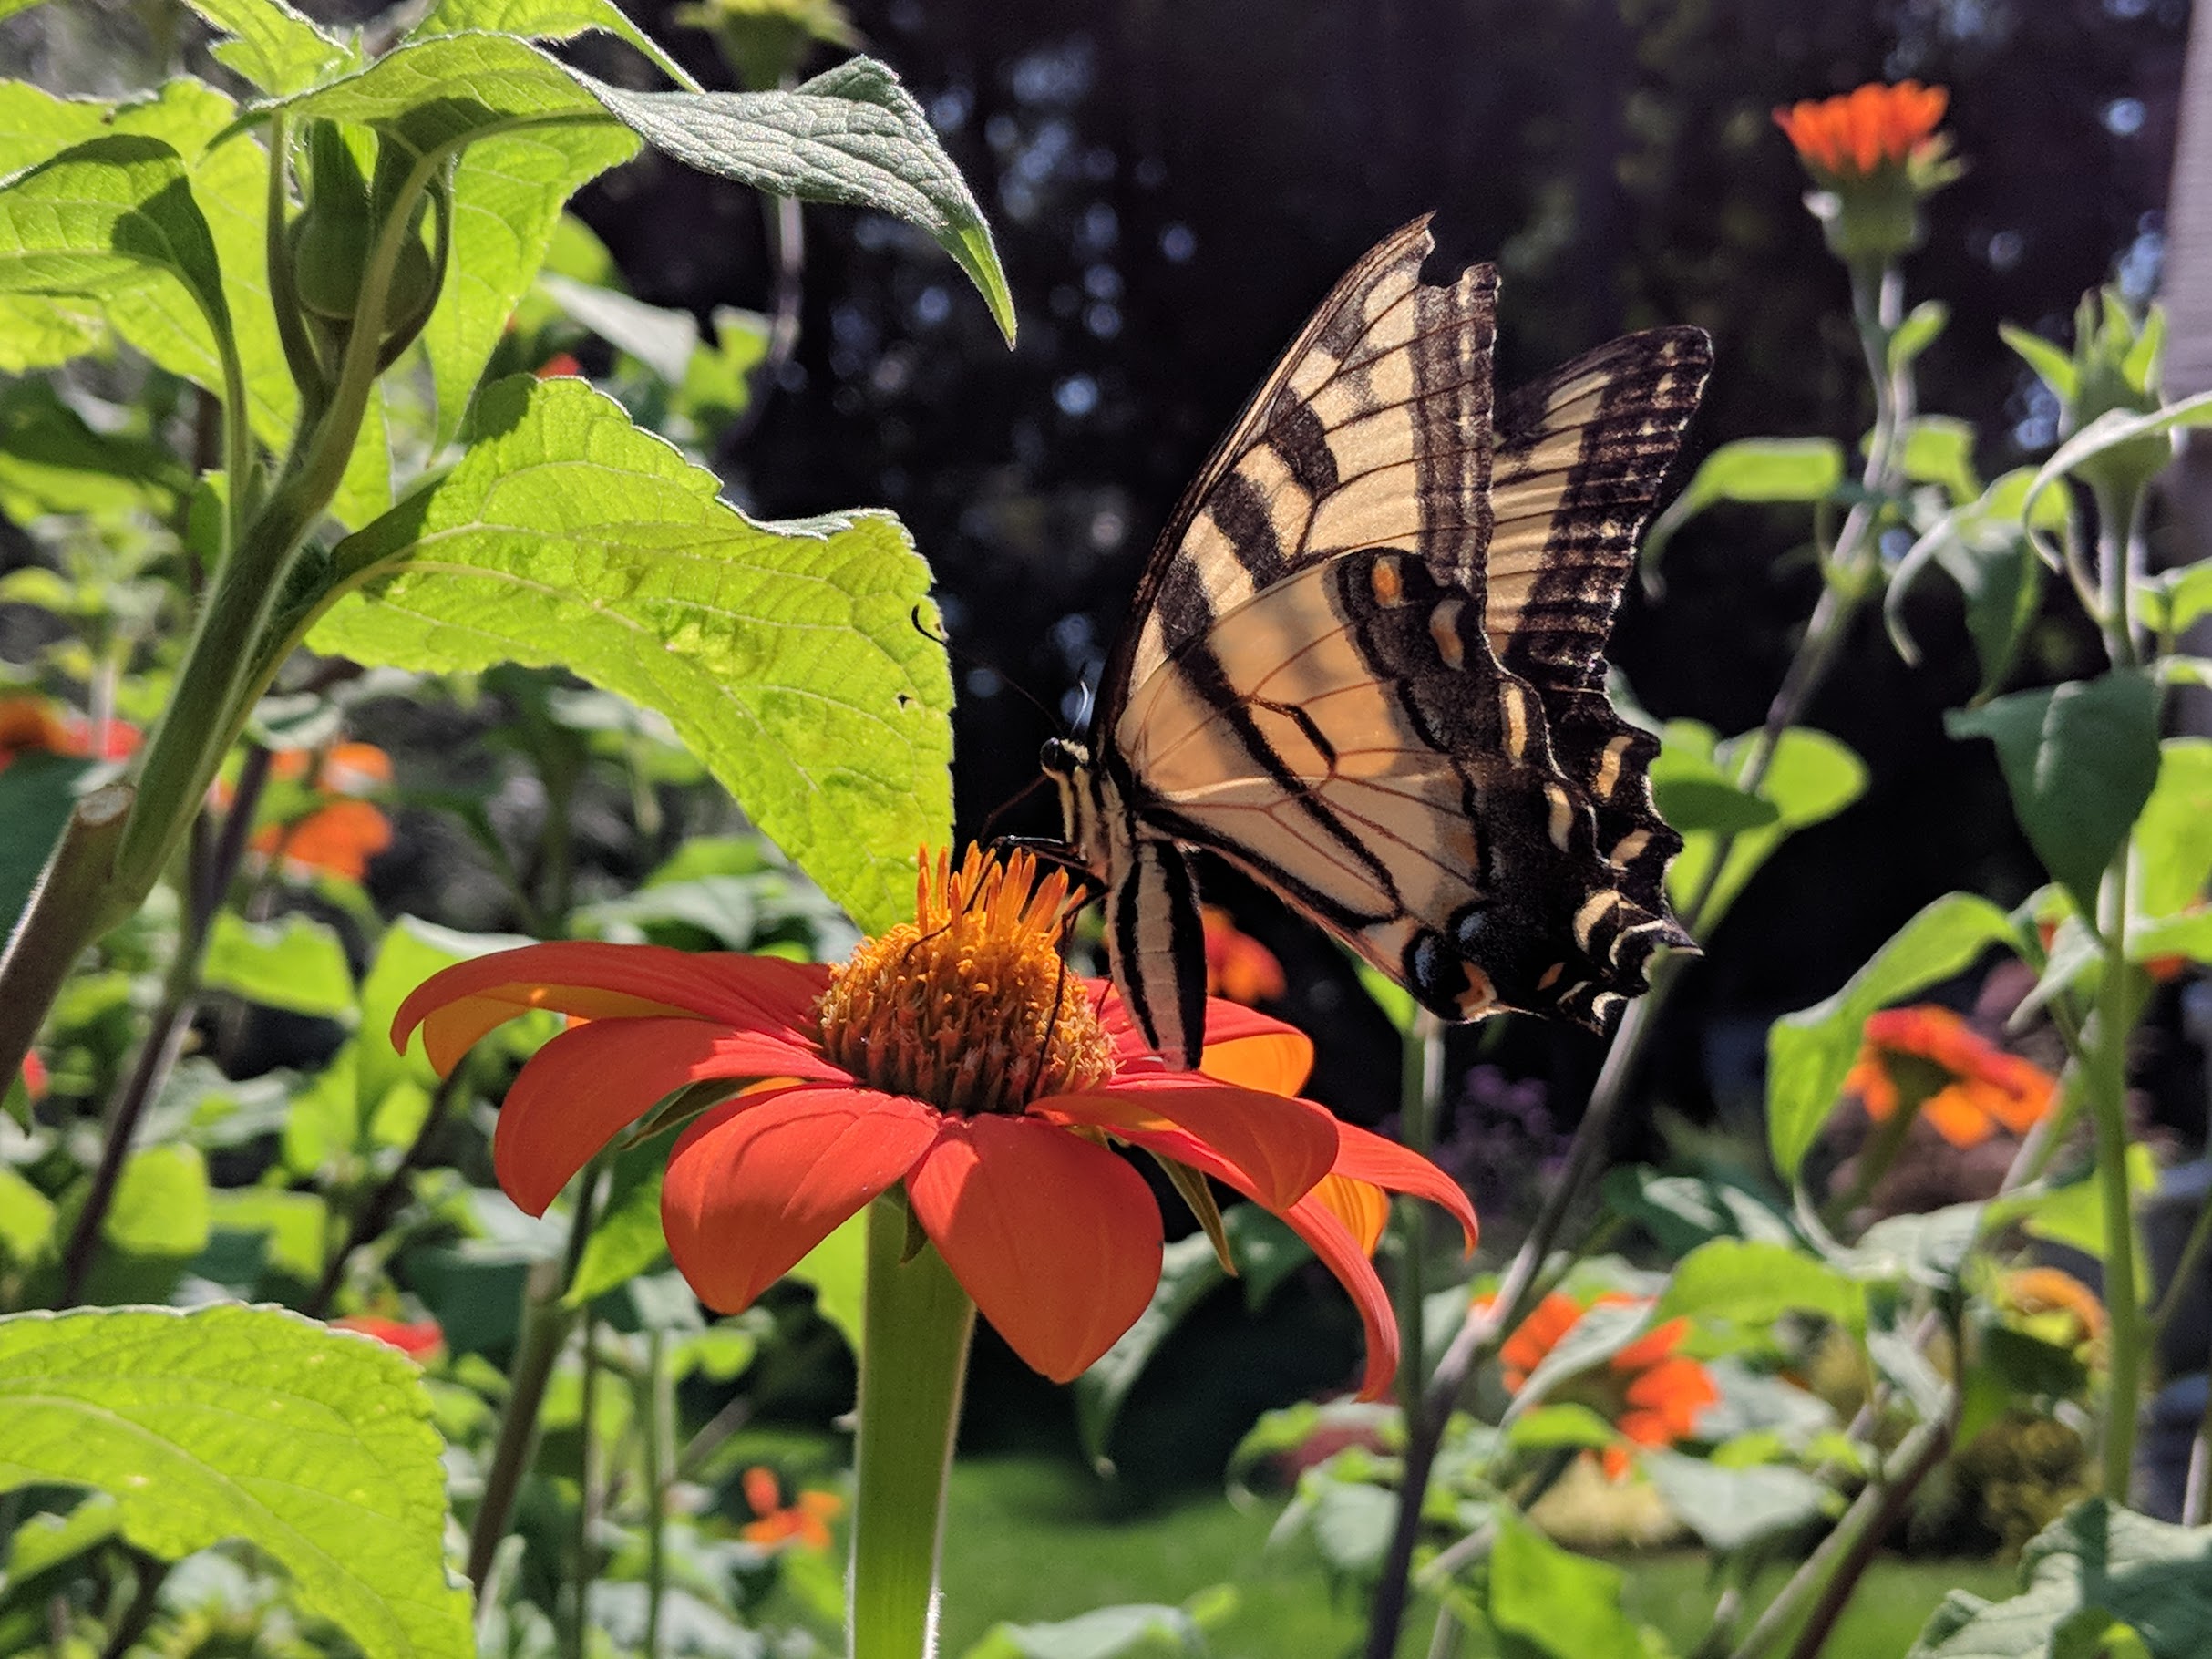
x=560 y=364
x=1651 y=1395
x=342 y=833
x=2053 y=1304
x=418 y=1339
x=1964 y=1085
x=31 y=723
x=1874 y=153
x=1238 y=966
x=956 y=1056
x=805 y=1522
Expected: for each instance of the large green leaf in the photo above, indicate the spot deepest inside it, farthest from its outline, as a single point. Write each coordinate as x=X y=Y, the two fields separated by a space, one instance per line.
x=298 y=964
x=1728 y=1507
x=799 y=661
x=1810 y=779
x=545 y=20
x=851 y=136
x=1755 y=470
x=2079 y=759
x=507 y=193
x=2174 y=833
x=1809 y=1053
x=1983 y=546
x=108 y=216
x=1753 y=1282
x=251 y=1423
x=274 y=46
x=2096 y=1567
x=1553 y=1601
x=160 y=1205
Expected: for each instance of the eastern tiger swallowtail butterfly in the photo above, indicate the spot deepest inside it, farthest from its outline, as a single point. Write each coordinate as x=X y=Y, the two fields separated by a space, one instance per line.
x=1363 y=665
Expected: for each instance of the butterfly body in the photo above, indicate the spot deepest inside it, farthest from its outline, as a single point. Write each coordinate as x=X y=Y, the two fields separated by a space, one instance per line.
x=1363 y=665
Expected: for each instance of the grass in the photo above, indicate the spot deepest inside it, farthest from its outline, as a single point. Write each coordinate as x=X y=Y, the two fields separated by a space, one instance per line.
x=1029 y=1539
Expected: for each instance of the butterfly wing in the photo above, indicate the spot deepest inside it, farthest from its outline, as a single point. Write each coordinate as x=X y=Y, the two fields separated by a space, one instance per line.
x=1350 y=651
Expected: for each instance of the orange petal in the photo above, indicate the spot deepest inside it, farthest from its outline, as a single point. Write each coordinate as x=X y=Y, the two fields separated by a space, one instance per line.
x=1365 y=1209
x=1056 y=1239
x=759 y=1181
x=1242 y=1045
x=763 y=1492
x=590 y=1082
x=1366 y=1156
x=1341 y=1252
x=458 y=1005
x=1955 y=1115
x=1282 y=1145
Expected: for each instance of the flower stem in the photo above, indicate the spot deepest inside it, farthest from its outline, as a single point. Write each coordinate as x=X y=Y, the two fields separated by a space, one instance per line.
x=2107 y=1081
x=546 y=1324
x=587 y=1496
x=913 y=1362
x=1420 y=1092
x=660 y=1420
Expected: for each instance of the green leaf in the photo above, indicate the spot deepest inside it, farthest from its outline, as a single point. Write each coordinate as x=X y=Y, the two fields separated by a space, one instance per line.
x=626 y=1240
x=2074 y=1215
x=1554 y=1601
x=1134 y=1631
x=1682 y=1211
x=2115 y=428
x=295 y=1225
x=1809 y=1053
x=852 y=135
x=2080 y=760
x=2054 y=366
x=799 y=661
x=1352 y=1526
x=1189 y=1273
x=104 y=218
x=1755 y=470
x=26 y=1219
x=1811 y=778
x=2173 y=844
x=1602 y=1331
x=2172 y=600
x=660 y=339
x=1752 y=1282
x=274 y=46
x=1928 y=1248
x=2096 y=1566
x=297 y=963
x=546 y=20
x=410 y=952
x=52 y=462
x=1728 y=1507
x=161 y=1206
x=1940 y=449
x=507 y=193
x=1917 y=332
x=312 y=1446
x=837 y=1270
x=1548 y=1428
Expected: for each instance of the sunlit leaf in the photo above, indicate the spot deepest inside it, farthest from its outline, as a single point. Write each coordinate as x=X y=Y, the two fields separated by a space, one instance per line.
x=1753 y=1282
x=275 y=47
x=799 y=661
x=1809 y=1053
x=1754 y=470
x=545 y=20
x=1553 y=1601
x=298 y=964
x=254 y=1423
x=161 y=1206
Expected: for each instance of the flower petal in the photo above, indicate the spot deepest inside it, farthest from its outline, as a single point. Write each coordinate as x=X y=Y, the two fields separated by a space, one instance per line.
x=1364 y=1209
x=758 y=1182
x=588 y=1083
x=1281 y=1145
x=1056 y=1239
x=1243 y=1046
x=1311 y=1220
x=458 y=1005
x=1366 y=1156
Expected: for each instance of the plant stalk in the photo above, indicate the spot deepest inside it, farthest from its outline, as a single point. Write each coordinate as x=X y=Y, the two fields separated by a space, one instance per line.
x=1420 y=1093
x=913 y=1363
x=660 y=1419
x=53 y=930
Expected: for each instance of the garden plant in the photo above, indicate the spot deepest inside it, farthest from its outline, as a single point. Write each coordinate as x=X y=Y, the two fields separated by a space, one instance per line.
x=384 y=1284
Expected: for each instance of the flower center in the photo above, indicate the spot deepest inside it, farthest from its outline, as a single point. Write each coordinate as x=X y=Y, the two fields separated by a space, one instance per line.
x=970 y=1006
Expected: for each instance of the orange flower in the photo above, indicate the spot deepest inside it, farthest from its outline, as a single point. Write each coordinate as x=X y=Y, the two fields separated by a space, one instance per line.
x=805 y=1523
x=42 y=726
x=35 y=1079
x=1238 y=966
x=345 y=833
x=2049 y=1298
x=560 y=363
x=418 y=1339
x=955 y=1054
x=1847 y=138
x=1965 y=1086
x=1651 y=1395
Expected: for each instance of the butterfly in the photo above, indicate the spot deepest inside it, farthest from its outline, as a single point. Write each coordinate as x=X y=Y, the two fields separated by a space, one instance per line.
x=1363 y=666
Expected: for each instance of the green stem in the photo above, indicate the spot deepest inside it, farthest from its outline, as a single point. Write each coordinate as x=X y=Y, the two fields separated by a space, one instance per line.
x=1420 y=1093
x=913 y=1361
x=54 y=928
x=660 y=1419
x=546 y=1324
x=587 y=1498
x=2107 y=1079
x=2116 y=513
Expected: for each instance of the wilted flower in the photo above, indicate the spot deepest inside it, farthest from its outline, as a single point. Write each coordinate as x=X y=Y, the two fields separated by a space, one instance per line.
x=805 y=1522
x=1965 y=1085
x=1651 y=1395
x=955 y=1056
x=1875 y=154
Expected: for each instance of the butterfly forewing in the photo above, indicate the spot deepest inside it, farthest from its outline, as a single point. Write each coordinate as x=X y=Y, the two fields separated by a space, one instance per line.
x=1364 y=663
